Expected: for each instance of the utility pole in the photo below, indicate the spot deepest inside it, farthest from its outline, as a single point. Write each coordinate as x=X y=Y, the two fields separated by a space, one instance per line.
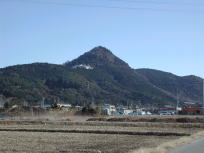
x=43 y=102
x=203 y=98
x=31 y=110
x=177 y=103
x=1 y=101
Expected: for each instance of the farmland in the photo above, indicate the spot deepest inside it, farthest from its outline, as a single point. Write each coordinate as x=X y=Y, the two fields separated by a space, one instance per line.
x=81 y=136
x=73 y=143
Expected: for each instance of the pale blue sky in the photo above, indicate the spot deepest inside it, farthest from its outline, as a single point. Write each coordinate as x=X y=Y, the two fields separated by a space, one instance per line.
x=166 y=36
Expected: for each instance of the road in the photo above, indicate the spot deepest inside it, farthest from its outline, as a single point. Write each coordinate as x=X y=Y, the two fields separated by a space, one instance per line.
x=193 y=147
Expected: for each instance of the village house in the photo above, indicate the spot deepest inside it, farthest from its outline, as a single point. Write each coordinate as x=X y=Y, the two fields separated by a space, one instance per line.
x=191 y=111
x=124 y=111
x=109 y=109
x=167 y=111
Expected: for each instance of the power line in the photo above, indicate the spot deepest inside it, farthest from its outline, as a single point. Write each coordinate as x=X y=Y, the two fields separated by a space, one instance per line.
x=106 y=7
x=159 y=2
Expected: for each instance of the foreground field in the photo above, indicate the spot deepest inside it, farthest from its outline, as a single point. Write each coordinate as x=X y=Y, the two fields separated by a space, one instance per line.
x=75 y=143
x=26 y=136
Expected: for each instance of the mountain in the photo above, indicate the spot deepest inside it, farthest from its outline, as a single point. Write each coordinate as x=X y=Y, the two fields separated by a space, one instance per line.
x=115 y=76
x=33 y=82
x=98 y=56
x=99 y=76
x=189 y=88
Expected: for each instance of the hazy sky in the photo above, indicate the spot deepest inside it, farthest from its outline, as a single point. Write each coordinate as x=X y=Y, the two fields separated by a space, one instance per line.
x=155 y=34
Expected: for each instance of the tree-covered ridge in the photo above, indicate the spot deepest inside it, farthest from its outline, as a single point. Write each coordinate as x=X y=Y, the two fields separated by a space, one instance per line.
x=110 y=81
x=33 y=82
x=188 y=88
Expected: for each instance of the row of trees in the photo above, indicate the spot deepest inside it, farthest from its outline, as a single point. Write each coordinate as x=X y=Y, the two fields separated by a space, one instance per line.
x=86 y=110
x=89 y=110
x=14 y=101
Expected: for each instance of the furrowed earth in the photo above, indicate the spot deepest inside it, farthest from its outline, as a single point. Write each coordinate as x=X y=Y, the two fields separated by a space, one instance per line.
x=24 y=136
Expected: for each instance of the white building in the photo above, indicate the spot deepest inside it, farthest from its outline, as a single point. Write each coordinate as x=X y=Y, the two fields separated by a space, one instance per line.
x=124 y=111
x=109 y=109
x=66 y=105
x=87 y=67
x=139 y=112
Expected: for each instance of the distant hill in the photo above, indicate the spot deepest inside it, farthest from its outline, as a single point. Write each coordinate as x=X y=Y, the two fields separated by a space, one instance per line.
x=189 y=88
x=99 y=76
x=33 y=82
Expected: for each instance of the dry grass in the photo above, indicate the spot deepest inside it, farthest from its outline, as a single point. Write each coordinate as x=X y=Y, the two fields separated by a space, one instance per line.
x=167 y=146
x=74 y=143
x=188 y=126
x=157 y=118
x=75 y=135
x=101 y=129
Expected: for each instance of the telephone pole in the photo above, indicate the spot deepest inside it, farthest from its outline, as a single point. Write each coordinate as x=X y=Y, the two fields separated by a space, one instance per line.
x=203 y=98
x=42 y=104
x=177 y=103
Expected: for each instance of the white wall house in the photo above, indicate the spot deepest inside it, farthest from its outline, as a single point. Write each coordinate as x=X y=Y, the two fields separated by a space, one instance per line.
x=124 y=111
x=109 y=109
x=139 y=112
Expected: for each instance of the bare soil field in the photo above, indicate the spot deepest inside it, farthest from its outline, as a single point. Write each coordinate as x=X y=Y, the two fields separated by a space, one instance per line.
x=75 y=143
x=80 y=136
